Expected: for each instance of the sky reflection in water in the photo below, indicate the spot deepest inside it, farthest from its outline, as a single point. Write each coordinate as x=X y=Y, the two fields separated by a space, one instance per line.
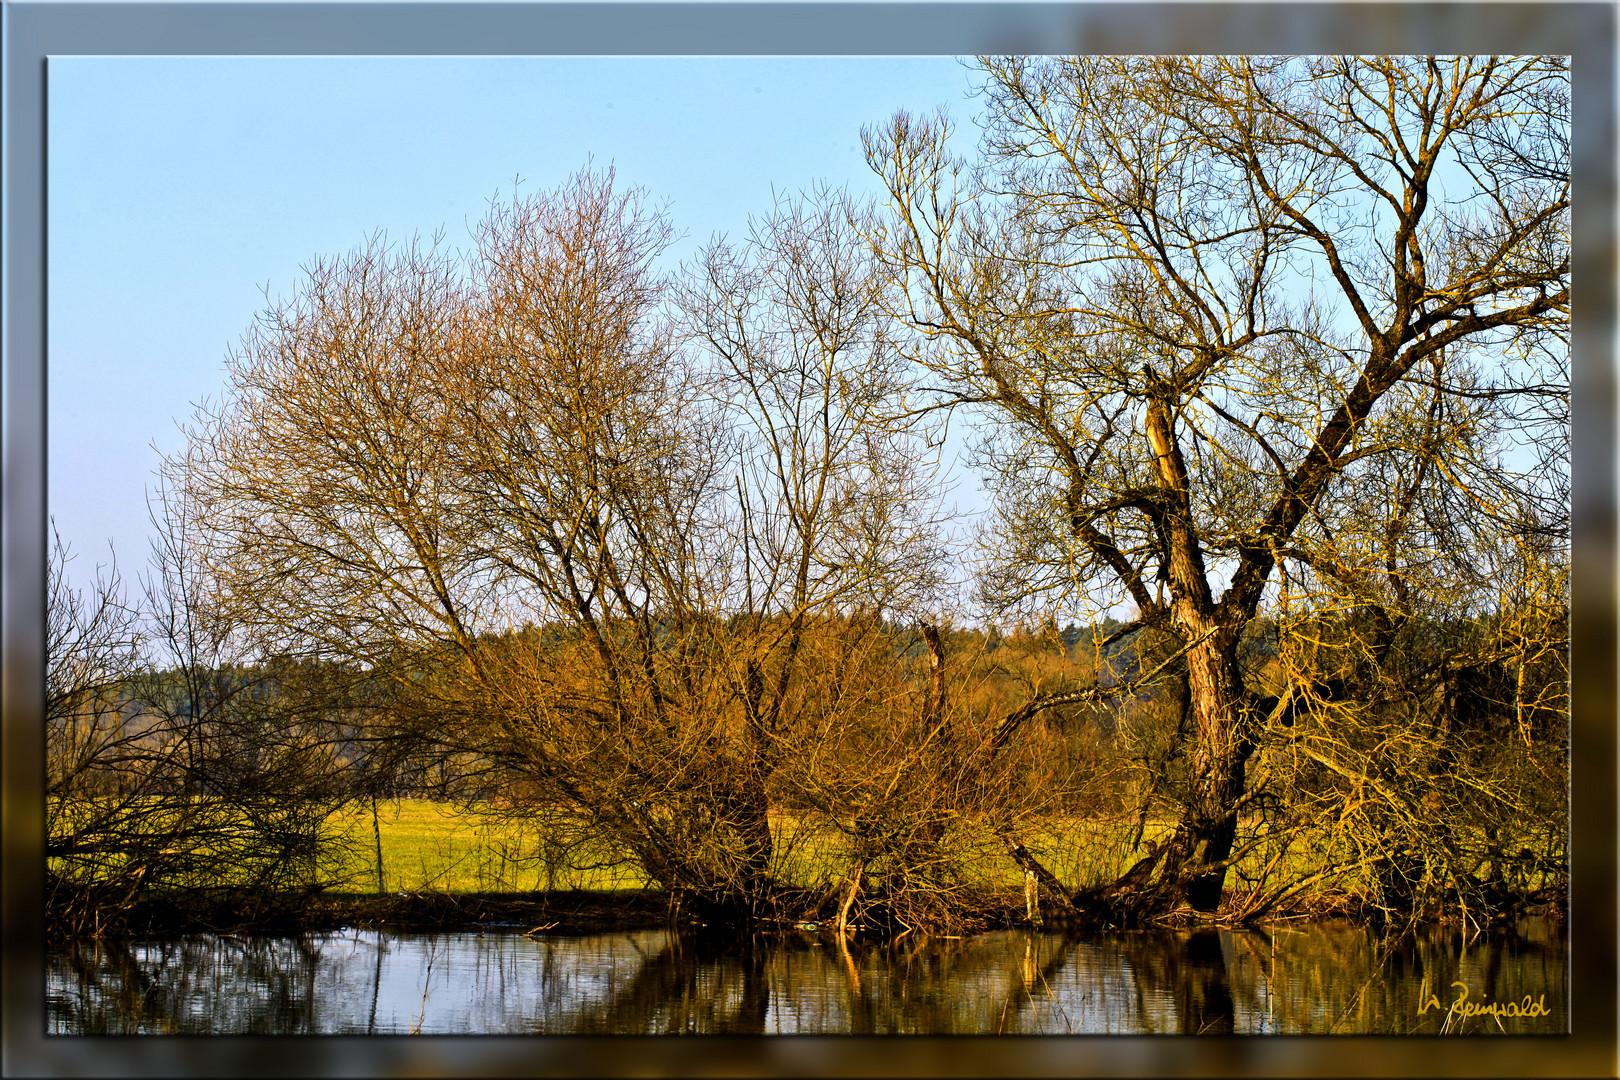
x=1319 y=978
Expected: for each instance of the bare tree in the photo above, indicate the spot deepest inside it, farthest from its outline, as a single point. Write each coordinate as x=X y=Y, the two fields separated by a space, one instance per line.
x=596 y=459
x=93 y=651
x=500 y=484
x=640 y=571
x=420 y=455
x=177 y=775
x=1245 y=328
x=835 y=532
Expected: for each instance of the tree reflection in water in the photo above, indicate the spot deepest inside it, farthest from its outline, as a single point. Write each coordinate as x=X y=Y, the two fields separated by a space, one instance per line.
x=697 y=985
x=262 y=986
x=1325 y=978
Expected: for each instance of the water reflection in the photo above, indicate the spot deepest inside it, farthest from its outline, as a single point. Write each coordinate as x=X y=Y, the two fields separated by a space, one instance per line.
x=1323 y=978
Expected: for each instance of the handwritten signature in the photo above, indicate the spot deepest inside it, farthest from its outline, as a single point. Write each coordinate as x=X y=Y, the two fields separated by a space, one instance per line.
x=1462 y=1007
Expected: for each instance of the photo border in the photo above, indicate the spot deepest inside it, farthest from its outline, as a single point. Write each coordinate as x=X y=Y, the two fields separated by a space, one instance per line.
x=32 y=31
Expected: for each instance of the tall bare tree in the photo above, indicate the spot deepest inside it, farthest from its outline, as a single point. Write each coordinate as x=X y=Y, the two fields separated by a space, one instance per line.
x=1245 y=328
x=841 y=563
x=587 y=555
x=485 y=480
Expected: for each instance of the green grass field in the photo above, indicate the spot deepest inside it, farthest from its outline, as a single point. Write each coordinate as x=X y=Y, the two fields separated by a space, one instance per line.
x=439 y=848
x=436 y=847
x=431 y=847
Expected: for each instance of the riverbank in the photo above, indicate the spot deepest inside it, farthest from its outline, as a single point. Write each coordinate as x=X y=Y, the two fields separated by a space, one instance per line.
x=426 y=866
x=561 y=913
x=574 y=912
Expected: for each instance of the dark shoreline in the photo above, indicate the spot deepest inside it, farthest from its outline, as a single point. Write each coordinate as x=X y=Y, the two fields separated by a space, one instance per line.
x=564 y=912
x=580 y=912
x=577 y=911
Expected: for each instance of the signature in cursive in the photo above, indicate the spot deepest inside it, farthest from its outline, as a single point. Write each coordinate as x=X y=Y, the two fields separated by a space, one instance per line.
x=1463 y=1007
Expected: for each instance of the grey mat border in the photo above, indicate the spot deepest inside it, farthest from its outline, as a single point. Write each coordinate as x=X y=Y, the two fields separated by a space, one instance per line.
x=33 y=31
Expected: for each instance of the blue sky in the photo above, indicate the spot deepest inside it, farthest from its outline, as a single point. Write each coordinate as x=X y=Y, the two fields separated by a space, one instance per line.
x=180 y=187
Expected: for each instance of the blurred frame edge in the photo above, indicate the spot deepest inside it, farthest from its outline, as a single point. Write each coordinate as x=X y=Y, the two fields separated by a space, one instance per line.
x=33 y=31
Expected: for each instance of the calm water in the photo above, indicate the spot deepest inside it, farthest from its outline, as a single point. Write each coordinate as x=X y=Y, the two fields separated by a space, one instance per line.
x=1301 y=978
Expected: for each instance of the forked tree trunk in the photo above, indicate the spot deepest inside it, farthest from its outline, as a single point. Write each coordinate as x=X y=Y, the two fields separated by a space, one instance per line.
x=1190 y=868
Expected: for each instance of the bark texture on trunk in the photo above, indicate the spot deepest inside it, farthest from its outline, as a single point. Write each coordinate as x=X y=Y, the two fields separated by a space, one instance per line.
x=1187 y=869
x=1205 y=835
